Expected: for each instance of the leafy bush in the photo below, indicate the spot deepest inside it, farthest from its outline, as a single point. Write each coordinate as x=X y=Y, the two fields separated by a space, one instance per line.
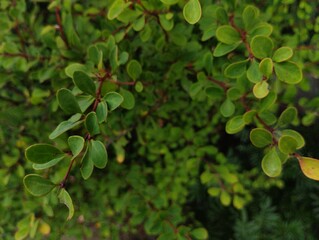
x=137 y=115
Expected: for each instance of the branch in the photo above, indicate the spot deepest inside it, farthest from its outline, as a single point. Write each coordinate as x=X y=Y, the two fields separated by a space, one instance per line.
x=59 y=22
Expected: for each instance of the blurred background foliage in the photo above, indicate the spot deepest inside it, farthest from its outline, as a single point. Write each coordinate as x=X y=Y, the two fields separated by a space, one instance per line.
x=169 y=150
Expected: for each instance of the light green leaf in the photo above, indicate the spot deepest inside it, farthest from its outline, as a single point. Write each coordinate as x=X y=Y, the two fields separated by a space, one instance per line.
x=250 y=16
x=296 y=135
x=235 y=70
x=167 y=24
x=134 y=69
x=249 y=116
x=253 y=73
x=228 y=35
x=84 y=83
x=262 y=29
x=42 y=153
x=260 y=89
x=129 y=99
x=261 y=46
x=287 y=116
x=98 y=153
x=310 y=167
x=192 y=11
x=268 y=101
x=199 y=233
x=170 y=2
x=67 y=101
x=225 y=198
x=214 y=191
x=49 y=164
x=271 y=164
x=76 y=144
x=227 y=108
x=66 y=125
x=69 y=70
x=92 y=124
x=65 y=198
x=288 y=72
x=266 y=67
x=235 y=125
x=37 y=185
x=282 y=54
x=139 y=86
x=113 y=100
x=287 y=144
x=260 y=137
x=116 y=9
x=222 y=48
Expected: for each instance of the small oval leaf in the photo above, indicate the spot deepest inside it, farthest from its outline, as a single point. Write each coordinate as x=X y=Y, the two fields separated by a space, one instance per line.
x=37 y=185
x=192 y=11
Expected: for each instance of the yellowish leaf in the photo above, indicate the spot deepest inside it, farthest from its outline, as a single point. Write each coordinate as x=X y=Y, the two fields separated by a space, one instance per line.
x=310 y=167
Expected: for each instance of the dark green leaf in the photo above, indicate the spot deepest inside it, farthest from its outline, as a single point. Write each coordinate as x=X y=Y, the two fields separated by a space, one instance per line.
x=134 y=69
x=101 y=111
x=227 y=108
x=84 y=83
x=235 y=70
x=87 y=165
x=287 y=144
x=42 y=153
x=287 y=116
x=37 y=185
x=261 y=137
x=67 y=101
x=92 y=124
x=235 y=125
x=129 y=99
x=98 y=153
x=228 y=35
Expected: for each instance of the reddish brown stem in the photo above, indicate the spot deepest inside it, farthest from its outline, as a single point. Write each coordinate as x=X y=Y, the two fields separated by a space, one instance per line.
x=219 y=83
x=62 y=184
x=59 y=22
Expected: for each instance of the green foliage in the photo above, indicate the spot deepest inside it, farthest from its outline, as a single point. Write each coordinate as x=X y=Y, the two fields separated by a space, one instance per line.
x=124 y=111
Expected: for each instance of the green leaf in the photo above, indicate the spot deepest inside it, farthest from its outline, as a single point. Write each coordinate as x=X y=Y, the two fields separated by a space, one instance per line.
x=49 y=164
x=66 y=125
x=116 y=9
x=65 y=198
x=228 y=35
x=87 y=165
x=262 y=29
x=167 y=24
x=309 y=167
x=268 y=101
x=98 y=153
x=139 y=86
x=92 y=124
x=67 y=101
x=139 y=23
x=222 y=49
x=250 y=16
x=227 y=108
x=37 y=185
x=271 y=164
x=295 y=135
x=287 y=116
x=287 y=144
x=260 y=137
x=233 y=93
x=249 y=116
x=238 y=202
x=214 y=92
x=260 y=89
x=266 y=67
x=94 y=54
x=225 y=198
x=192 y=11
x=214 y=191
x=235 y=70
x=261 y=46
x=199 y=233
x=69 y=70
x=134 y=69
x=288 y=72
x=113 y=100
x=170 y=2
x=84 y=83
x=129 y=99
x=235 y=125
x=253 y=73
x=85 y=101
x=101 y=111
x=282 y=54
x=76 y=144
x=42 y=153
